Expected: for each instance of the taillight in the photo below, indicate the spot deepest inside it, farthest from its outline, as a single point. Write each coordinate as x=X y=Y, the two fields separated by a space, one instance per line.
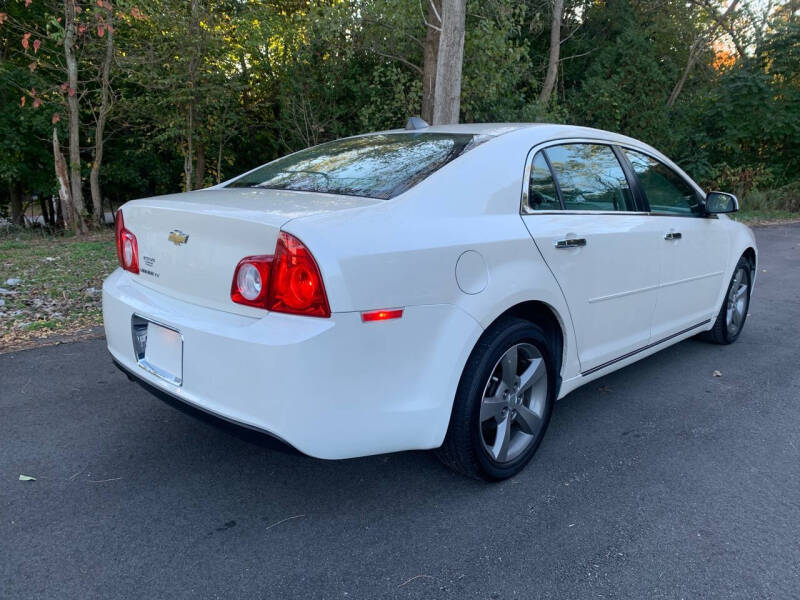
x=296 y=284
x=127 y=248
x=288 y=282
x=251 y=281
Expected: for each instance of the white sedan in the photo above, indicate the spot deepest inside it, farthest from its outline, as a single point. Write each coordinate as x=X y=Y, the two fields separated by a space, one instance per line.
x=434 y=287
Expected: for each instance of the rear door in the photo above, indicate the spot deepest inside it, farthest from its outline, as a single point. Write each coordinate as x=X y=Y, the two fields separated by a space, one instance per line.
x=694 y=248
x=602 y=248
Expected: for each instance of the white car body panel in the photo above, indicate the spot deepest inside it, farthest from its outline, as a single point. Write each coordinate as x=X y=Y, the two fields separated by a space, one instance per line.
x=454 y=252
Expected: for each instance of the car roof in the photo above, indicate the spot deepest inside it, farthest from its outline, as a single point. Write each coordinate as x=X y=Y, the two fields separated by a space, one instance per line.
x=492 y=129
x=546 y=130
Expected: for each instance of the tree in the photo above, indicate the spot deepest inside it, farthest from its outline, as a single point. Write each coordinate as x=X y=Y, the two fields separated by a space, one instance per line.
x=105 y=27
x=702 y=39
x=555 y=49
x=73 y=110
x=444 y=73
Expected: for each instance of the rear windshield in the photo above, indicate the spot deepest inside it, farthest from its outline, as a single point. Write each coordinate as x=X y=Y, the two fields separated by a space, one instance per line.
x=375 y=166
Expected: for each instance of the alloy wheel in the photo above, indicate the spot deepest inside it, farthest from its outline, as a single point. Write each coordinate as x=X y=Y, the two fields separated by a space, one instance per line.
x=737 y=302
x=513 y=403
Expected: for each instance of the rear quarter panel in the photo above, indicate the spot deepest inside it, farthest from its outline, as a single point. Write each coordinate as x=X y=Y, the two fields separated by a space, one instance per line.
x=403 y=252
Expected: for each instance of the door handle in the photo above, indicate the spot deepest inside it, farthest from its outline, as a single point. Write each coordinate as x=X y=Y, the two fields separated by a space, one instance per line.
x=673 y=235
x=570 y=243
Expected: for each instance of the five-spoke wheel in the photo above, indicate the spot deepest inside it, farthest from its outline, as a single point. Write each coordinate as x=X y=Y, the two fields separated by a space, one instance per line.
x=504 y=400
x=737 y=300
x=733 y=314
x=513 y=402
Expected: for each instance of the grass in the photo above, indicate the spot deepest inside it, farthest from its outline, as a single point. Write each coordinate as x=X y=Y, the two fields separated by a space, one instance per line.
x=765 y=216
x=59 y=288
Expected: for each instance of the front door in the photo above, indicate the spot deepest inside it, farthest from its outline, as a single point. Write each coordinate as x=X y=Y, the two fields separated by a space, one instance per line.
x=694 y=248
x=603 y=251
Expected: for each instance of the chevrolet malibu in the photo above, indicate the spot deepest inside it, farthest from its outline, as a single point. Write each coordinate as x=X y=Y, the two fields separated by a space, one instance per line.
x=433 y=287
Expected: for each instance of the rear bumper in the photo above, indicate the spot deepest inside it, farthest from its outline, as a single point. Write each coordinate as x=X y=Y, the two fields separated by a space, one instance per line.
x=332 y=388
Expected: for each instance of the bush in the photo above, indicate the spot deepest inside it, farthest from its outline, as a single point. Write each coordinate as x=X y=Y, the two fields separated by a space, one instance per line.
x=786 y=198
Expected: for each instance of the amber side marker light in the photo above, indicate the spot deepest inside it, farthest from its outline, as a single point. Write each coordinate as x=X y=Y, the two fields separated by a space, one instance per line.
x=381 y=315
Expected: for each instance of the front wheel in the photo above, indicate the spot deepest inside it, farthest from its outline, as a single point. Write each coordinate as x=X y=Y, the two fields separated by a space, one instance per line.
x=504 y=401
x=733 y=314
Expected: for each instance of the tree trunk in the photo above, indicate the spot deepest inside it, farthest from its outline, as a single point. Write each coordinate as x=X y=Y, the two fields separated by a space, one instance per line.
x=43 y=208
x=200 y=167
x=58 y=211
x=188 y=160
x=694 y=53
x=17 y=214
x=447 y=90
x=64 y=193
x=219 y=160
x=74 y=118
x=99 y=132
x=555 y=50
x=430 y=56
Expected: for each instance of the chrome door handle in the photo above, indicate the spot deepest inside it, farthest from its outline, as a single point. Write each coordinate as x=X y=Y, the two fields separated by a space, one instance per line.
x=570 y=243
x=673 y=235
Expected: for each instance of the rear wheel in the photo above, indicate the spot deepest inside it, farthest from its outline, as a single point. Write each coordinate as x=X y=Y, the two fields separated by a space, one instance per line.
x=733 y=314
x=503 y=403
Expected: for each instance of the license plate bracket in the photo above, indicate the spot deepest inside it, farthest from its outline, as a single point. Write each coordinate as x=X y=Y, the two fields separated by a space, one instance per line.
x=158 y=348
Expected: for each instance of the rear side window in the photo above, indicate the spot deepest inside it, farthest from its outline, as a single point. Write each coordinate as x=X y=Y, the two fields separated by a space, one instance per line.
x=666 y=191
x=590 y=178
x=542 y=194
x=375 y=166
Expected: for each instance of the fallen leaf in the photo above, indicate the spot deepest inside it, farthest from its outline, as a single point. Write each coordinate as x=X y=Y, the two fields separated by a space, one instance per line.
x=717 y=373
x=604 y=389
x=26 y=478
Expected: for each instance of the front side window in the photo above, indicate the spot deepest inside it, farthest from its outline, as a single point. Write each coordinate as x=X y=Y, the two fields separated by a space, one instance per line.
x=542 y=194
x=590 y=178
x=375 y=166
x=666 y=191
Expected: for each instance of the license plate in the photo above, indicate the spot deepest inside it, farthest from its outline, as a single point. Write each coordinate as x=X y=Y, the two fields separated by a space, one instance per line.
x=159 y=349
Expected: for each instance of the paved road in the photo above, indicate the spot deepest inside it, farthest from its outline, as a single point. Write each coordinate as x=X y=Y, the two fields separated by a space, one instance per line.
x=659 y=481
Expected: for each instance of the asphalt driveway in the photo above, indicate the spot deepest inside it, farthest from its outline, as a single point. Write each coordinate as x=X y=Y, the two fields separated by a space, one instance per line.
x=659 y=481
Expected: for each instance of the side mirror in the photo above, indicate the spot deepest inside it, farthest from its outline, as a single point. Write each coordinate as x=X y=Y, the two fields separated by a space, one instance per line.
x=721 y=202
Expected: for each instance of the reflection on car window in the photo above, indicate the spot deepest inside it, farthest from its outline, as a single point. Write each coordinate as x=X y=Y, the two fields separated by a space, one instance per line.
x=590 y=178
x=375 y=166
x=666 y=191
x=542 y=193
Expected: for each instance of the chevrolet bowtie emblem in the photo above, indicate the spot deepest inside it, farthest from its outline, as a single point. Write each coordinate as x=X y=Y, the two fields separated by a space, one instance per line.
x=177 y=237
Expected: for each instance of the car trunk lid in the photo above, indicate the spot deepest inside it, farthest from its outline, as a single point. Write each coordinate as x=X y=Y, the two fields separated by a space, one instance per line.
x=189 y=244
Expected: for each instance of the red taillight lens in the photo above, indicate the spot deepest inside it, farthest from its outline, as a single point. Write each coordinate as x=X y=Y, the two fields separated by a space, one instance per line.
x=288 y=282
x=127 y=247
x=251 y=281
x=296 y=284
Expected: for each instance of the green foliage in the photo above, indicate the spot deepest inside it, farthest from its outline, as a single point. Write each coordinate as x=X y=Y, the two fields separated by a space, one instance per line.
x=243 y=82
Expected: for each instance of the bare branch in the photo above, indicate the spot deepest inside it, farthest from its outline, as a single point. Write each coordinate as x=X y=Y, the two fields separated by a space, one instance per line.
x=424 y=20
x=400 y=59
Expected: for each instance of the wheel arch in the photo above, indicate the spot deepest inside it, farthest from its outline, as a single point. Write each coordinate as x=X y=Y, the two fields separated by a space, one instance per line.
x=750 y=254
x=548 y=319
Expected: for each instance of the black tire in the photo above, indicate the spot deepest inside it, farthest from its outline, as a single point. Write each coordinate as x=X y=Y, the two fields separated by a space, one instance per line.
x=463 y=449
x=721 y=332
